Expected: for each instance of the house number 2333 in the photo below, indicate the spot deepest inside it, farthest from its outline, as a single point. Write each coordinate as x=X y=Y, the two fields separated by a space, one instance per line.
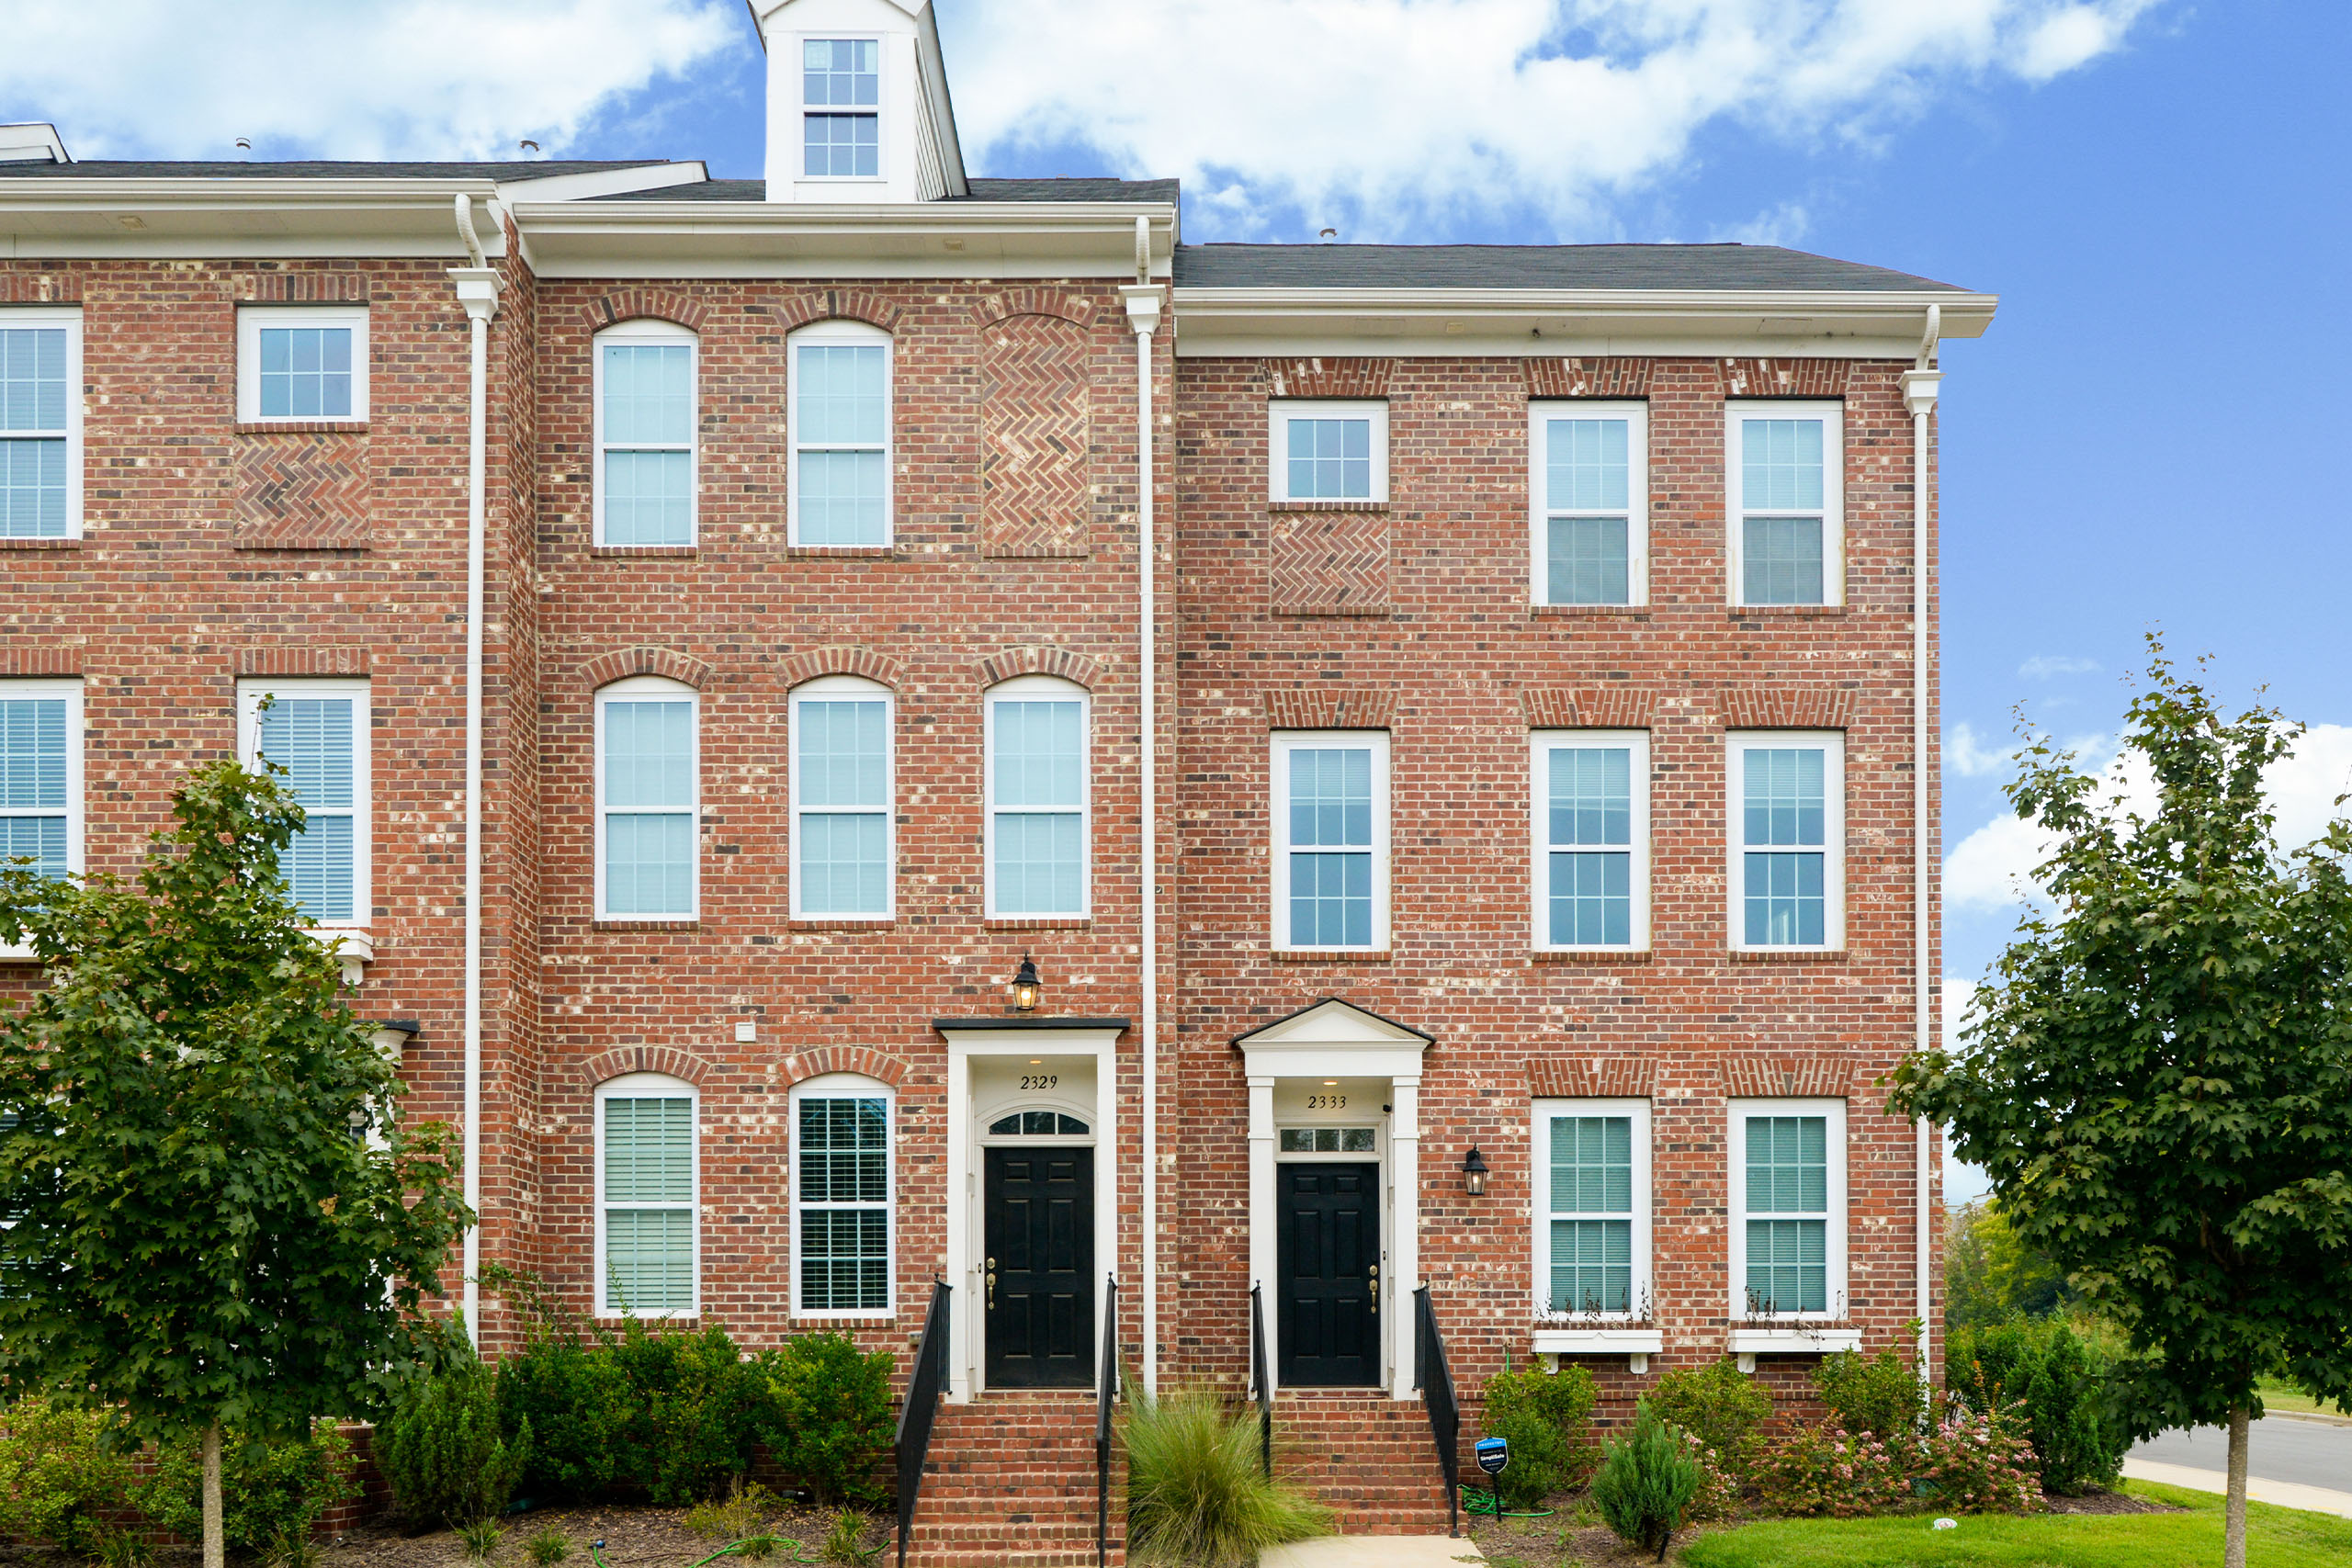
x=1326 y=1102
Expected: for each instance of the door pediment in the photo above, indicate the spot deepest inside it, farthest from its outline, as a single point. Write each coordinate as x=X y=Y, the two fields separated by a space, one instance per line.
x=1335 y=1039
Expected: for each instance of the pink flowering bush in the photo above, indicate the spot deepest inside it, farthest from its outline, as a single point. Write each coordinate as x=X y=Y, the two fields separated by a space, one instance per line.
x=1718 y=1491
x=1979 y=1463
x=1823 y=1471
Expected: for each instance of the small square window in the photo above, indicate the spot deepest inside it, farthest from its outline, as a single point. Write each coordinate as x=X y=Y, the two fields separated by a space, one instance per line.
x=301 y=363
x=1328 y=451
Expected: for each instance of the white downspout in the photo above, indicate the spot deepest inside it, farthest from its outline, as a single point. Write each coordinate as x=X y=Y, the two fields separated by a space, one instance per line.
x=1920 y=385
x=1144 y=299
x=478 y=292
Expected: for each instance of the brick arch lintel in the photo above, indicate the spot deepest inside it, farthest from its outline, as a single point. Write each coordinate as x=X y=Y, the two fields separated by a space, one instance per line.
x=1066 y=304
x=843 y=661
x=645 y=304
x=1041 y=659
x=666 y=1059
x=1812 y=1076
x=802 y=1066
x=668 y=662
x=835 y=305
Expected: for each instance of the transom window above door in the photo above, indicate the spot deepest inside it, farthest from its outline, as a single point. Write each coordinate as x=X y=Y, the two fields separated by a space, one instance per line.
x=1039 y=1124
x=1327 y=1141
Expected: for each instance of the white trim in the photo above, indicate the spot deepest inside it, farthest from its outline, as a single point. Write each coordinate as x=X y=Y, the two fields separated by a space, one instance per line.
x=69 y=689
x=1832 y=416
x=847 y=688
x=1285 y=744
x=1541 y=744
x=885 y=56
x=1540 y=511
x=647 y=331
x=1039 y=688
x=1280 y=410
x=845 y=1086
x=69 y=318
x=1834 y=1252
x=1540 y=1117
x=653 y=688
x=251 y=319
x=1737 y=743
x=648 y=1086
x=1747 y=1344
x=250 y=692
x=841 y=332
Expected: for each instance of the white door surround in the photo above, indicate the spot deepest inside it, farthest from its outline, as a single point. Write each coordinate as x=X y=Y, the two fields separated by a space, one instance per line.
x=1335 y=1040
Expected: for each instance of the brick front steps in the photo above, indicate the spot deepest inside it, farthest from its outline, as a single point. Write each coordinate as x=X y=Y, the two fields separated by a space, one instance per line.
x=1368 y=1457
x=1009 y=1484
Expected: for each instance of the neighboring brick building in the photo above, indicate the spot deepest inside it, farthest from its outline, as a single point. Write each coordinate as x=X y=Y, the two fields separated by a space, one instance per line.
x=1539 y=771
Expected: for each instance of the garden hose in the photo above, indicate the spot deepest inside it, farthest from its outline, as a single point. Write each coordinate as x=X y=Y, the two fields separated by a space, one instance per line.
x=1476 y=1501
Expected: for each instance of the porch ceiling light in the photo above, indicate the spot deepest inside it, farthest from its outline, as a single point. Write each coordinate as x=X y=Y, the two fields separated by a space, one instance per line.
x=1473 y=1173
x=1025 y=986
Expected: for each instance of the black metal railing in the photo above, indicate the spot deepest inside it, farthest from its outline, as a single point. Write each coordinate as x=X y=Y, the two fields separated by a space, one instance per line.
x=1435 y=1380
x=920 y=1412
x=1106 y=1389
x=1262 y=1384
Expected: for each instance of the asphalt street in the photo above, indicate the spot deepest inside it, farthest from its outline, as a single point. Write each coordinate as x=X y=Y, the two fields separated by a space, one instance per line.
x=2310 y=1453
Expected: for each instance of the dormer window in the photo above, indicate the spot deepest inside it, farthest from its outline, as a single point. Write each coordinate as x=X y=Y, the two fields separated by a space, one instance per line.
x=841 y=96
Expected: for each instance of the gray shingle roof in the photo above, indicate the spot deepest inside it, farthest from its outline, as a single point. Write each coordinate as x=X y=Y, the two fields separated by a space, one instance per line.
x=1725 y=266
x=325 y=169
x=982 y=190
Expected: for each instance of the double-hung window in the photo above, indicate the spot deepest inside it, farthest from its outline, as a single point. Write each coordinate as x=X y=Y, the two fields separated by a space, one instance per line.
x=1785 y=463
x=40 y=776
x=648 y=800
x=840 y=97
x=40 y=424
x=1331 y=840
x=841 y=1207
x=1591 y=833
x=1788 y=1209
x=645 y=396
x=840 y=419
x=1788 y=840
x=1590 y=488
x=1592 y=1225
x=648 y=1152
x=1328 y=451
x=301 y=363
x=841 y=831
x=314 y=735
x=1038 y=791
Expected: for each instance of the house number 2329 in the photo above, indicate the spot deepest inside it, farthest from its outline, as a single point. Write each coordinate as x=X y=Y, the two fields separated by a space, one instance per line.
x=1040 y=1080
x=1326 y=1102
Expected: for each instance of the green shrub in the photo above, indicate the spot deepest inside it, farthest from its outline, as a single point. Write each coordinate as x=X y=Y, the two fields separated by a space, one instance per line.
x=1825 y=1470
x=1880 y=1394
x=1547 y=1420
x=60 y=1480
x=443 y=1452
x=695 y=1412
x=827 y=1419
x=742 y=1512
x=268 y=1490
x=575 y=1402
x=1196 y=1494
x=1647 y=1481
x=2059 y=1380
x=1721 y=1406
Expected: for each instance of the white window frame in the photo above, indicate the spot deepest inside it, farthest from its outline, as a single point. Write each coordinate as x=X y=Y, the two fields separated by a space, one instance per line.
x=251 y=319
x=71 y=691
x=846 y=1086
x=841 y=332
x=1285 y=743
x=250 y=693
x=1039 y=688
x=1637 y=493
x=1834 y=1251
x=849 y=688
x=1541 y=743
x=71 y=320
x=1737 y=744
x=1832 y=416
x=655 y=688
x=1540 y=1188
x=1280 y=411
x=881 y=112
x=647 y=331
x=648 y=1086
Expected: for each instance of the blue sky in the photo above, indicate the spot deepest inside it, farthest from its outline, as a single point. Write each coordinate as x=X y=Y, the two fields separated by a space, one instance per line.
x=2144 y=439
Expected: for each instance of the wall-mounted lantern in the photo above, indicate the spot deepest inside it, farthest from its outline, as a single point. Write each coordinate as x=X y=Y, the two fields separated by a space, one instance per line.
x=1473 y=1173
x=1025 y=986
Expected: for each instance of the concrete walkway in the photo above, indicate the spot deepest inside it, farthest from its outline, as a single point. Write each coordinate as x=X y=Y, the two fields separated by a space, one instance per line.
x=1374 y=1551
x=2286 y=1494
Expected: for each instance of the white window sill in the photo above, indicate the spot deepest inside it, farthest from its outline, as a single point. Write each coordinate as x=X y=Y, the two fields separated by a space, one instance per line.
x=353 y=944
x=19 y=956
x=1797 y=1339
x=1636 y=1345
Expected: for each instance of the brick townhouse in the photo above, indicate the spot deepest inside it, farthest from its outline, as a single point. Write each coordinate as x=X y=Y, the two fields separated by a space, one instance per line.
x=727 y=632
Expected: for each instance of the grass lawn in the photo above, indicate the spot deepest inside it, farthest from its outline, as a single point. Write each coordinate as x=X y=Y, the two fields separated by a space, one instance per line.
x=2280 y=1395
x=2275 y=1538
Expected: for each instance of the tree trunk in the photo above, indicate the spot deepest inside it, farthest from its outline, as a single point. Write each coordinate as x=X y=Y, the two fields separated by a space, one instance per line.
x=215 y=1553
x=2233 y=1530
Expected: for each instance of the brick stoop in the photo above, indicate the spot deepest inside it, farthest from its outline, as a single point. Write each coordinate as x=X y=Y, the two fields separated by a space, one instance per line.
x=1369 y=1458
x=1009 y=1484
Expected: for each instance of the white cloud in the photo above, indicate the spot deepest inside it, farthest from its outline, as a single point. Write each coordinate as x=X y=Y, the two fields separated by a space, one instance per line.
x=2044 y=665
x=1393 y=117
x=1971 y=758
x=396 y=79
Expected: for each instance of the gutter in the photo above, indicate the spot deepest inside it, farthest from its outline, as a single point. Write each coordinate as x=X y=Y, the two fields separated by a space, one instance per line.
x=1921 y=385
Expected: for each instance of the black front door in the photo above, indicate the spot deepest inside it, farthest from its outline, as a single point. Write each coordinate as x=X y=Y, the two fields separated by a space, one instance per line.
x=1037 y=1291
x=1328 y=1271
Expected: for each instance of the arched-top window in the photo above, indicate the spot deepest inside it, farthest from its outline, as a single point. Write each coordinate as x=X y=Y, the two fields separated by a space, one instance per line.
x=648 y=794
x=1037 y=790
x=844 y=838
x=1039 y=1123
x=648 y=1185
x=839 y=382
x=841 y=1197
x=646 y=414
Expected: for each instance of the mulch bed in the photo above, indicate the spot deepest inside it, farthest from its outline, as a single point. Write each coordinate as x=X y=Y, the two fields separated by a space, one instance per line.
x=1572 y=1538
x=2111 y=1503
x=633 y=1537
